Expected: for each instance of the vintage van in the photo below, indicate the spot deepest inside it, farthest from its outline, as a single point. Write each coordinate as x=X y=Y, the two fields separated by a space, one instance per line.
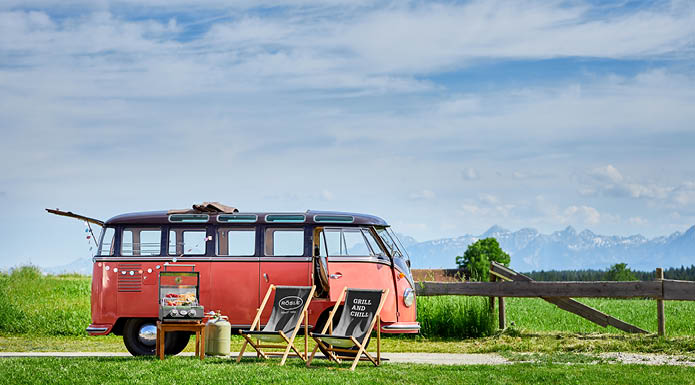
x=238 y=255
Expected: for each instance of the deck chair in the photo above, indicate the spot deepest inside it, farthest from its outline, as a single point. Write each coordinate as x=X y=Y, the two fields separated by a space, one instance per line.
x=360 y=313
x=289 y=309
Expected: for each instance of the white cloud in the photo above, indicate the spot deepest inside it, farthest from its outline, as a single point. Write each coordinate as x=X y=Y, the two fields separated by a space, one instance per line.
x=637 y=221
x=530 y=174
x=488 y=199
x=585 y=214
x=422 y=195
x=470 y=173
x=607 y=174
x=429 y=36
x=327 y=195
x=684 y=194
x=460 y=106
x=610 y=182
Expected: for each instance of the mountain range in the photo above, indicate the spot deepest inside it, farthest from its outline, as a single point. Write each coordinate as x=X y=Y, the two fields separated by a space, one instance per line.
x=562 y=250
x=530 y=250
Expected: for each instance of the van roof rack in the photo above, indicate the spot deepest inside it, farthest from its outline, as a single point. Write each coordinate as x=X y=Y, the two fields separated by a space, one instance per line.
x=206 y=207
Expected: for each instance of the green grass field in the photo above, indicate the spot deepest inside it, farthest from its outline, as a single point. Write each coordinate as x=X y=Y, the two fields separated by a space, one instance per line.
x=184 y=370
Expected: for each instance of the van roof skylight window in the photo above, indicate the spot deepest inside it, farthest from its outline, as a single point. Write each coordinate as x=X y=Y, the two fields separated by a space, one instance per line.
x=334 y=218
x=285 y=218
x=245 y=218
x=188 y=218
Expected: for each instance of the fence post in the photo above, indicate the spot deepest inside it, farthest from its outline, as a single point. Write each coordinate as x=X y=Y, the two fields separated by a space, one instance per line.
x=502 y=315
x=660 y=316
x=492 y=299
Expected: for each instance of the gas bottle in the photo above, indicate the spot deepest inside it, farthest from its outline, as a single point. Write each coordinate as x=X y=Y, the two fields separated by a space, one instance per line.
x=218 y=335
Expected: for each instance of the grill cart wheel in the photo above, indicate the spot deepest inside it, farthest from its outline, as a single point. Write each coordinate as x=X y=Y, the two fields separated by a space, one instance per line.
x=140 y=337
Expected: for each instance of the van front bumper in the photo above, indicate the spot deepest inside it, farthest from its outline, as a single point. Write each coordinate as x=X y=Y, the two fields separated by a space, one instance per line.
x=401 y=327
x=99 y=329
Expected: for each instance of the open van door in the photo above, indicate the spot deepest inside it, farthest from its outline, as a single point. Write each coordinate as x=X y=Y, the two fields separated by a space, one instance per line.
x=70 y=214
x=355 y=260
x=89 y=220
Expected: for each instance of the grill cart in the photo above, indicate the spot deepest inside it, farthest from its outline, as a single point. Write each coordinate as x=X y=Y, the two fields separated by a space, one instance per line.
x=179 y=295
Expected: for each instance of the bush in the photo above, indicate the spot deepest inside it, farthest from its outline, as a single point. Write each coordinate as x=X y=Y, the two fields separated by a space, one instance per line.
x=28 y=272
x=455 y=316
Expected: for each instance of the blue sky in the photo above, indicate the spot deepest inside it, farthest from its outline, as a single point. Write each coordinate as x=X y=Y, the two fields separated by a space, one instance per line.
x=442 y=117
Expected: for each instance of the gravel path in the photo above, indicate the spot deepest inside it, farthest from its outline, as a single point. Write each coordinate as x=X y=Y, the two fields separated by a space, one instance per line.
x=423 y=358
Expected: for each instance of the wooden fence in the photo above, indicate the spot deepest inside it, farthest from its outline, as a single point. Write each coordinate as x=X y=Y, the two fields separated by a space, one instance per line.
x=508 y=283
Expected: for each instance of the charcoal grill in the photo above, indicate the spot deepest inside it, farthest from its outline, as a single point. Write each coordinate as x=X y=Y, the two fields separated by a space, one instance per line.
x=179 y=295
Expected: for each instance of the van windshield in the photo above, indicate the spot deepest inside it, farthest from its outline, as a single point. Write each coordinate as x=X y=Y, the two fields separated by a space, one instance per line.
x=391 y=242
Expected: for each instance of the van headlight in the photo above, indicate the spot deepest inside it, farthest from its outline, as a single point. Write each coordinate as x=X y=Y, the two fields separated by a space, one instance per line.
x=409 y=297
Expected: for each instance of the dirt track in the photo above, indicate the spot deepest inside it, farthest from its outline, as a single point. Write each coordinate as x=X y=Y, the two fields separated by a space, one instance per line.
x=434 y=358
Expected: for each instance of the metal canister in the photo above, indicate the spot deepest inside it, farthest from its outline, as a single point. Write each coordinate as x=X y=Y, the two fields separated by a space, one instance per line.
x=218 y=335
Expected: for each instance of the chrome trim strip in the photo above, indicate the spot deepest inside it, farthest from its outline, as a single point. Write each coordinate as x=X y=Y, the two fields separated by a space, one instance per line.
x=234 y=259
x=286 y=259
x=401 y=327
x=360 y=259
x=178 y=259
x=96 y=330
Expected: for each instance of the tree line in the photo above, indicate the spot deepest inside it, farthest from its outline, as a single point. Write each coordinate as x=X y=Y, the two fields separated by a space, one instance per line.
x=681 y=273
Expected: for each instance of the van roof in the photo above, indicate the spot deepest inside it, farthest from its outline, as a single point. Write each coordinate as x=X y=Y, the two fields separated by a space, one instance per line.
x=191 y=217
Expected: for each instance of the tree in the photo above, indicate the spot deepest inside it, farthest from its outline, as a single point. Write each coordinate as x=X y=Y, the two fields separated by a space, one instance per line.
x=620 y=272
x=476 y=259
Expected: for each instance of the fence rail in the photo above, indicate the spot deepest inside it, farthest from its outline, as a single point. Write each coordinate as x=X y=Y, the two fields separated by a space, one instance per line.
x=512 y=284
x=666 y=289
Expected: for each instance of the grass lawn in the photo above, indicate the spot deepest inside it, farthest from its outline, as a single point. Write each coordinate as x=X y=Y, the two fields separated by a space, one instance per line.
x=538 y=315
x=179 y=370
x=509 y=341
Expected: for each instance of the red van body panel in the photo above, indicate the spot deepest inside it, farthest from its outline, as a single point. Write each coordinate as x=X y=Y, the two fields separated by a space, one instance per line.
x=363 y=275
x=235 y=291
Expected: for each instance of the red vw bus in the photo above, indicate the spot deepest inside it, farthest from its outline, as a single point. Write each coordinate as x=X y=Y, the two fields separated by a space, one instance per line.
x=238 y=255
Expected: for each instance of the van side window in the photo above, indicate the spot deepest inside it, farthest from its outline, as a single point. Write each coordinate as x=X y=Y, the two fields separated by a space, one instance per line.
x=347 y=241
x=284 y=242
x=141 y=242
x=236 y=242
x=187 y=241
x=106 y=246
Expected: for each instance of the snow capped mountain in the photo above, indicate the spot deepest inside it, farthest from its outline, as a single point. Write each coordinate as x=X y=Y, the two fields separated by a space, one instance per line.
x=81 y=266
x=565 y=249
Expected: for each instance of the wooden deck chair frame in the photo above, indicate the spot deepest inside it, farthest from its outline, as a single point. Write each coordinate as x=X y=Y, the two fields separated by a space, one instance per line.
x=361 y=345
x=289 y=341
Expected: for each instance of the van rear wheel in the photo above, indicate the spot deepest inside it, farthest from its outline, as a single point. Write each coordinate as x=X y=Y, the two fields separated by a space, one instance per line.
x=140 y=338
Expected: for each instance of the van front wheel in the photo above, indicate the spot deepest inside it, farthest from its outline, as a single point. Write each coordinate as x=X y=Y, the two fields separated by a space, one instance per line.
x=140 y=338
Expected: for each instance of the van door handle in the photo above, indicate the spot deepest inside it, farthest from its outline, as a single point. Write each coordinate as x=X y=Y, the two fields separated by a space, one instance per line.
x=265 y=276
x=336 y=276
